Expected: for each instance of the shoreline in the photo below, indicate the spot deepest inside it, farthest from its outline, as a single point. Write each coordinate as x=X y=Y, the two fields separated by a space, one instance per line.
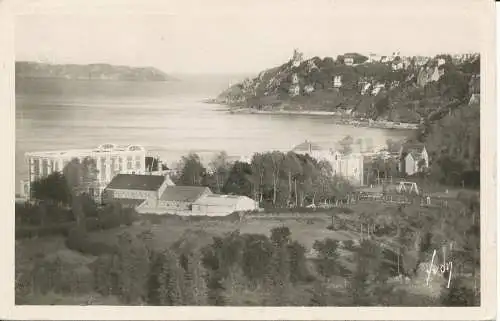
x=340 y=118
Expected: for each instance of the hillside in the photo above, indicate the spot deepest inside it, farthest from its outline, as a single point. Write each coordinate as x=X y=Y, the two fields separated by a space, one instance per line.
x=393 y=88
x=89 y=72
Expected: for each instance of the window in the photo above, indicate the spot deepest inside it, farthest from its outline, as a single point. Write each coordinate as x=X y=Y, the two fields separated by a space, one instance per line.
x=137 y=162
x=103 y=169
x=45 y=165
x=129 y=163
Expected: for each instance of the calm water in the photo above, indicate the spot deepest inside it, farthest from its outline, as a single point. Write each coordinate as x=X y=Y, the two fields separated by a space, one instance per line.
x=168 y=118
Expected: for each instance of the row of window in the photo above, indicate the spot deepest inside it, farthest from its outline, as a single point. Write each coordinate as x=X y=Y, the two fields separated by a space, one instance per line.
x=41 y=166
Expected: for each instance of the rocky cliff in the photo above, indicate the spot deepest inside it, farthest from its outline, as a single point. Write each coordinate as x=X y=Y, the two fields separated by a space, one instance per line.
x=395 y=88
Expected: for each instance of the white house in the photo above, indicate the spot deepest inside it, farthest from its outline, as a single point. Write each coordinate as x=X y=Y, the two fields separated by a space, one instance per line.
x=441 y=62
x=397 y=66
x=377 y=88
x=413 y=158
x=294 y=90
x=309 y=89
x=337 y=81
x=348 y=61
x=222 y=205
x=365 y=88
x=348 y=166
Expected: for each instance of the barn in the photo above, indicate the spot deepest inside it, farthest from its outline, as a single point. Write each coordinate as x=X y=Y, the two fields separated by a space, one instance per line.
x=130 y=190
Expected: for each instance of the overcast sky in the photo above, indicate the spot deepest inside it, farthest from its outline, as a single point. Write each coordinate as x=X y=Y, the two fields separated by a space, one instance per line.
x=239 y=36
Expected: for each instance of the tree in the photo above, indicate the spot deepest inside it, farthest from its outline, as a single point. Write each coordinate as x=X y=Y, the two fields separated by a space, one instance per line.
x=327 y=263
x=219 y=171
x=191 y=171
x=133 y=259
x=239 y=181
x=81 y=177
x=53 y=189
x=346 y=144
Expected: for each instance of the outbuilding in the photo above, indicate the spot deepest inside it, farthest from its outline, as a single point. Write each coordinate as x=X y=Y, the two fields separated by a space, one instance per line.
x=222 y=205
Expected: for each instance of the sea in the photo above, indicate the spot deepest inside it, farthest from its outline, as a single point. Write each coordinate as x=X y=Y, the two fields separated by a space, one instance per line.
x=169 y=119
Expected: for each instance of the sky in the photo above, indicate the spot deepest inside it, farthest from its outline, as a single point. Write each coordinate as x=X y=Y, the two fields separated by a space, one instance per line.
x=239 y=36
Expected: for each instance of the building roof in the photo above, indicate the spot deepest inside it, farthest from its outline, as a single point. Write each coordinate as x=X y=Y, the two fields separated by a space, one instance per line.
x=415 y=149
x=220 y=200
x=307 y=147
x=183 y=193
x=99 y=150
x=136 y=182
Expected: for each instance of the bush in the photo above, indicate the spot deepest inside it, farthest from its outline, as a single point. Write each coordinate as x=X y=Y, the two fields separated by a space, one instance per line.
x=78 y=241
x=39 y=231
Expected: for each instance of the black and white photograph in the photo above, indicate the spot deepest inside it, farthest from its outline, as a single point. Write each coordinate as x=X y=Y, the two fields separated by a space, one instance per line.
x=253 y=154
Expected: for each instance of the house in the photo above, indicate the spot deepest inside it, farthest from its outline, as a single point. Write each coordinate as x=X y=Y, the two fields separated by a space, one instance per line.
x=309 y=89
x=413 y=158
x=337 y=81
x=221 y=205
x=297 y=58
x=131 y=190
x=436 y=74
x=348 y=61
x=397 y=65
x=295 y=79
x=441 y=62
x=294 y=90
x=474 y=99
x=365 y=88
x=349 y=166
x=377 y=88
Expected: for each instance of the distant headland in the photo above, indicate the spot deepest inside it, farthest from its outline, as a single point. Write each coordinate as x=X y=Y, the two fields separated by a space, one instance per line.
x=35 y=70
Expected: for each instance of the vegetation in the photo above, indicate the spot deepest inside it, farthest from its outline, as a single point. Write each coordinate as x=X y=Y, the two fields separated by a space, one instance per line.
x=275 y=179
x=407 y=95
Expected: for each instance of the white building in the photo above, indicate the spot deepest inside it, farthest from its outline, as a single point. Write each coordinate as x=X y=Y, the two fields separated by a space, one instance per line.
x=309 y=89
x=397 y=65
x=348 y=61
x=441 y=62
x=294 y=90
x=110 y=160
x=337 y=81
x=377 y=88
x=222 y=205
x=348 y=166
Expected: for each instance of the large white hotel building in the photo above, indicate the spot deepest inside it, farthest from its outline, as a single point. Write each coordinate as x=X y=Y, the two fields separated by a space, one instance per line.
x=110 y=159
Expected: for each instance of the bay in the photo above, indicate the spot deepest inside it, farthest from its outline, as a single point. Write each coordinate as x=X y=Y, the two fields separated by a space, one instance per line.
x=168 y=118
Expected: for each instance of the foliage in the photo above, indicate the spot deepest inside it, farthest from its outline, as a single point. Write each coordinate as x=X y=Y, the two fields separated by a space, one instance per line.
x=191 y=171
x=52 y=188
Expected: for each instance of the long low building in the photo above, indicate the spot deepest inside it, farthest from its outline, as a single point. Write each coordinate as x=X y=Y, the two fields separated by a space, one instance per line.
x=221 y=205
x=196 y=200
